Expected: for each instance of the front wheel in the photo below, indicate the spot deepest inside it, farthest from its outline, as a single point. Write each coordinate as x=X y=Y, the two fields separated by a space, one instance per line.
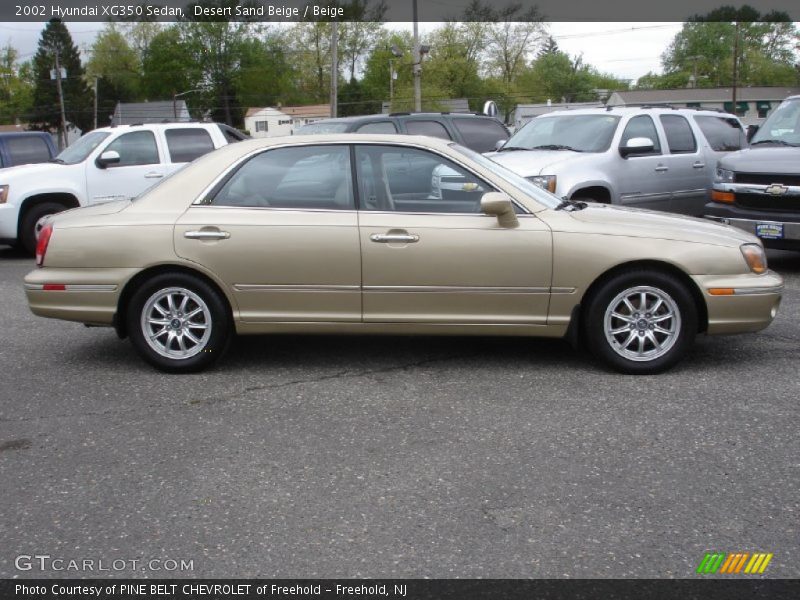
x=178 y=323
x=30 y=225
x=641 y=322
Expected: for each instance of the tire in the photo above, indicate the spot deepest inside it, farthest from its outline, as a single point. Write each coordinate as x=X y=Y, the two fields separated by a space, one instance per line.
x=27 y=230
x=179 y=323
x=635 y=341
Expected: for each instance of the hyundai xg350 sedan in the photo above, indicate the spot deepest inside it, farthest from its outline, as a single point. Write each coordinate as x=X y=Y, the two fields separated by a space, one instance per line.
x=345 y=234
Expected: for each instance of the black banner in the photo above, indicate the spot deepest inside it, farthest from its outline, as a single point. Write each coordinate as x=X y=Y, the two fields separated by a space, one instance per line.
x=400 y=589
x=395 y=10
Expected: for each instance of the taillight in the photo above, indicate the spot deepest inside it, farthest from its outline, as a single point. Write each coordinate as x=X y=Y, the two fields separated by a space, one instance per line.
x=42 y=242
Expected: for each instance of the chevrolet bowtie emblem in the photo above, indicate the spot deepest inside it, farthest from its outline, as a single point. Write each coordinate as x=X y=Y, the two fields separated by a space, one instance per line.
x=776 y=189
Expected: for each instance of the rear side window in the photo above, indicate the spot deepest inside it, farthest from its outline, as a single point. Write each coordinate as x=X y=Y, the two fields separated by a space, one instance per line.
x=429 y=128
x=231 y=135
x=27 y=149
x=680 y=138
x=723 y=134
x=480 y=135
x=187 y=144
x=379 y=127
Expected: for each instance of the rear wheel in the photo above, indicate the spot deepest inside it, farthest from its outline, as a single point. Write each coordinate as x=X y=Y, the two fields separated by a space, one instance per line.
x=178 y=323
x=31 y=223
x=641 y=322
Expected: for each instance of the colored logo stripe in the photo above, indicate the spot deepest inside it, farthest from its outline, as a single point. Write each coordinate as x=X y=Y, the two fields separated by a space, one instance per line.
x=734 y=563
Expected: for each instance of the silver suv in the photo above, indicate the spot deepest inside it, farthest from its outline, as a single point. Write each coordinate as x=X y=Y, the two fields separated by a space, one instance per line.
x=650 y=157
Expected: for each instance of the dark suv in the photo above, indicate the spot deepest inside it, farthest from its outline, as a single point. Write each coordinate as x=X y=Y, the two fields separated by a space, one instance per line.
x=478 y=132
x=25 y=147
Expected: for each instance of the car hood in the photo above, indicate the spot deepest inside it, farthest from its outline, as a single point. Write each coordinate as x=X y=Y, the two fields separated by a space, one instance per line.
x=31 y=171
x=535 y=162
x=636 y=222
x=763 y=159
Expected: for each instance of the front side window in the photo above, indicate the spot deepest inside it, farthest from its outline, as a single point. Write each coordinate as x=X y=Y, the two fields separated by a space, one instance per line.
x=680 y=138
x=641 y=126
x=399 y=179
x=479 y=134
x=135 y=148
x=186 y=144
x=301 y=178
x=27 y=149
x=379 y=127
x=724 y=134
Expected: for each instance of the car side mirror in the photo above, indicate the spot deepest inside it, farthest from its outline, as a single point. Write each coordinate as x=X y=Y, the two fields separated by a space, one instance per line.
x=109 y=157
x=499 y=144
x=751 y=131
x=637 y=145
x=499 y=205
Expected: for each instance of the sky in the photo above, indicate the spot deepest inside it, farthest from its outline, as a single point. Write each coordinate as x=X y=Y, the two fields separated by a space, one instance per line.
x=626 y=50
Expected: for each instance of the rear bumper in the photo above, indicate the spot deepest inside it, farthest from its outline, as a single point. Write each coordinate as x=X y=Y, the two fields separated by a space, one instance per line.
x=750 y=303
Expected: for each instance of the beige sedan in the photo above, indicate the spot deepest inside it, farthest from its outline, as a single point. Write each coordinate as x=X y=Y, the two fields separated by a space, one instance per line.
x=354 y=234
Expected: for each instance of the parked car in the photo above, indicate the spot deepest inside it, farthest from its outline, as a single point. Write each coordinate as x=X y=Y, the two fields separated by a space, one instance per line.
x=25 y=147
x=649 y=157
x=313 y=235
x=758 y=189
x=105 y=164
x=476 y=131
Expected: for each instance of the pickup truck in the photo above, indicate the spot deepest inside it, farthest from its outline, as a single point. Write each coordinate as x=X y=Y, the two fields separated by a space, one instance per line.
x=110 y=163
x=758 y=189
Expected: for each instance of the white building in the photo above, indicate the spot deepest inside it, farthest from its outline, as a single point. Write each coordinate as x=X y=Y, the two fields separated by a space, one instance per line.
x=273 y=122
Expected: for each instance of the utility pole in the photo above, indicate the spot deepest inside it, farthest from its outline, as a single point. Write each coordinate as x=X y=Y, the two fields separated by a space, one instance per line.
x=95 y=103
x=735 y=63
x=62 y=129
x=417 y=67
x=334 y=68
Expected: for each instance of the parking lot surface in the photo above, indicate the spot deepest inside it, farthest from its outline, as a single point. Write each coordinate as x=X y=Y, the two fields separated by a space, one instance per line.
x=394 y=457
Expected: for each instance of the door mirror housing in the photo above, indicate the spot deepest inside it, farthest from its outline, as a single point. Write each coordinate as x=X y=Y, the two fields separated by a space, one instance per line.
x=500 y=206
x=637 y=145
x=109 y=157
x=751 y=131
x=499 y=144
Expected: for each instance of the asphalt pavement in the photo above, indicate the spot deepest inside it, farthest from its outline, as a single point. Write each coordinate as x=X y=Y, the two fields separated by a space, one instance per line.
x=393 y=457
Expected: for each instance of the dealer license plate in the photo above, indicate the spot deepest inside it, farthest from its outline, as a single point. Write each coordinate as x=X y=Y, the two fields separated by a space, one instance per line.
x=769 y=231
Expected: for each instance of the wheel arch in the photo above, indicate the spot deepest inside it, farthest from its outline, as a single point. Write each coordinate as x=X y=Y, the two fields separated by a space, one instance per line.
x=66 y=199
x=593 y=190
x=120 y=317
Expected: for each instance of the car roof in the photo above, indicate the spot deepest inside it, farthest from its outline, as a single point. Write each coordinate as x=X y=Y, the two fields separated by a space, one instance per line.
x=389 y=116
x=23 y=133
x=172 y=124
x=344 y=138
x=630 y=110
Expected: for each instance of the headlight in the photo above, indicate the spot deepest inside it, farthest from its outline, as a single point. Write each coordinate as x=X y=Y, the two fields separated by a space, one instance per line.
x=724 y=175
x=755 y=257
x=547 y=182
x=3 y=194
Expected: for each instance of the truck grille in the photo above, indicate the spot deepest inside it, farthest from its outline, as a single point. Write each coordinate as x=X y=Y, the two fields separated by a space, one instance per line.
x=767 y=178
x=765 y=202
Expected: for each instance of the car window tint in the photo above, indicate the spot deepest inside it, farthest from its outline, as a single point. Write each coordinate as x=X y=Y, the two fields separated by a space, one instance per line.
x=187 y=144
x=680 y=138
x=379 y=127
x=136 y=148
x=308 y=177
x=479 y=134
x=27 y=149
x=724 y=134
x=231 y=135
x=429 y=128
x=641 y=126
x=394 y=178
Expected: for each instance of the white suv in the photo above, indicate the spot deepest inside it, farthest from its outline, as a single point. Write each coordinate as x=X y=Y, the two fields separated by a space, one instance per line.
x=106 y=164
x=650 y=157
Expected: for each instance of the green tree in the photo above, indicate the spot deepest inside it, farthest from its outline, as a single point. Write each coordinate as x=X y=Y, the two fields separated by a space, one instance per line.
x=46 y=113
x=115 y=67
x=16 y=87
x=358 y=35
x=169 y=66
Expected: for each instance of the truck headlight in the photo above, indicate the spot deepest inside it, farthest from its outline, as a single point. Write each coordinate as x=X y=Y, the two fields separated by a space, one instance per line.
x=724 y=175
x=755 y=257
x=3 y=194
x=546 y=182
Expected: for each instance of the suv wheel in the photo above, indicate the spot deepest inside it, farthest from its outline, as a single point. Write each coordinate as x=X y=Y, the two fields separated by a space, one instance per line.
x=30 y=223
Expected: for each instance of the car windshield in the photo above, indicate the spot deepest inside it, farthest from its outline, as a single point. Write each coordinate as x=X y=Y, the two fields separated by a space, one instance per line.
x=576 y=133
x=322 y=127
x=517 y=181
x=78 y=151
x=782 y=127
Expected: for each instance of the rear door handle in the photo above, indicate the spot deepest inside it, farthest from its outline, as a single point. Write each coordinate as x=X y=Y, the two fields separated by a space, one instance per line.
x=153 y=175
x=698 y=165
x=661 y=169
x=396 y=238
x=205 y=234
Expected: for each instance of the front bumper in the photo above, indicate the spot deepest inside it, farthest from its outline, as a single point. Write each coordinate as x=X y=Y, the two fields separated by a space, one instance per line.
x=750 y=301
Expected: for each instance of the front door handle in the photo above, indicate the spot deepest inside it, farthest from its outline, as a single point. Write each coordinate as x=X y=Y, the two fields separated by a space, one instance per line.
x=153 y=175
x=661 y=169
x=394 y=238
x=698 y=165
x=207 y=234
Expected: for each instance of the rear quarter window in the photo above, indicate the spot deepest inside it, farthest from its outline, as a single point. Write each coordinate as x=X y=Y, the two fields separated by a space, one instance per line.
x=26 y=149
x=187 y=144
x=480 y=135
x=379 y=127
x=723 y=134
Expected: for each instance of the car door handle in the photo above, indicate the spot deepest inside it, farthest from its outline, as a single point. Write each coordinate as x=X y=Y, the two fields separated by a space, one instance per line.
x=661 y=169
x=698 y=165
x=153 y=175
x=394 y=238
x=205 y=234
